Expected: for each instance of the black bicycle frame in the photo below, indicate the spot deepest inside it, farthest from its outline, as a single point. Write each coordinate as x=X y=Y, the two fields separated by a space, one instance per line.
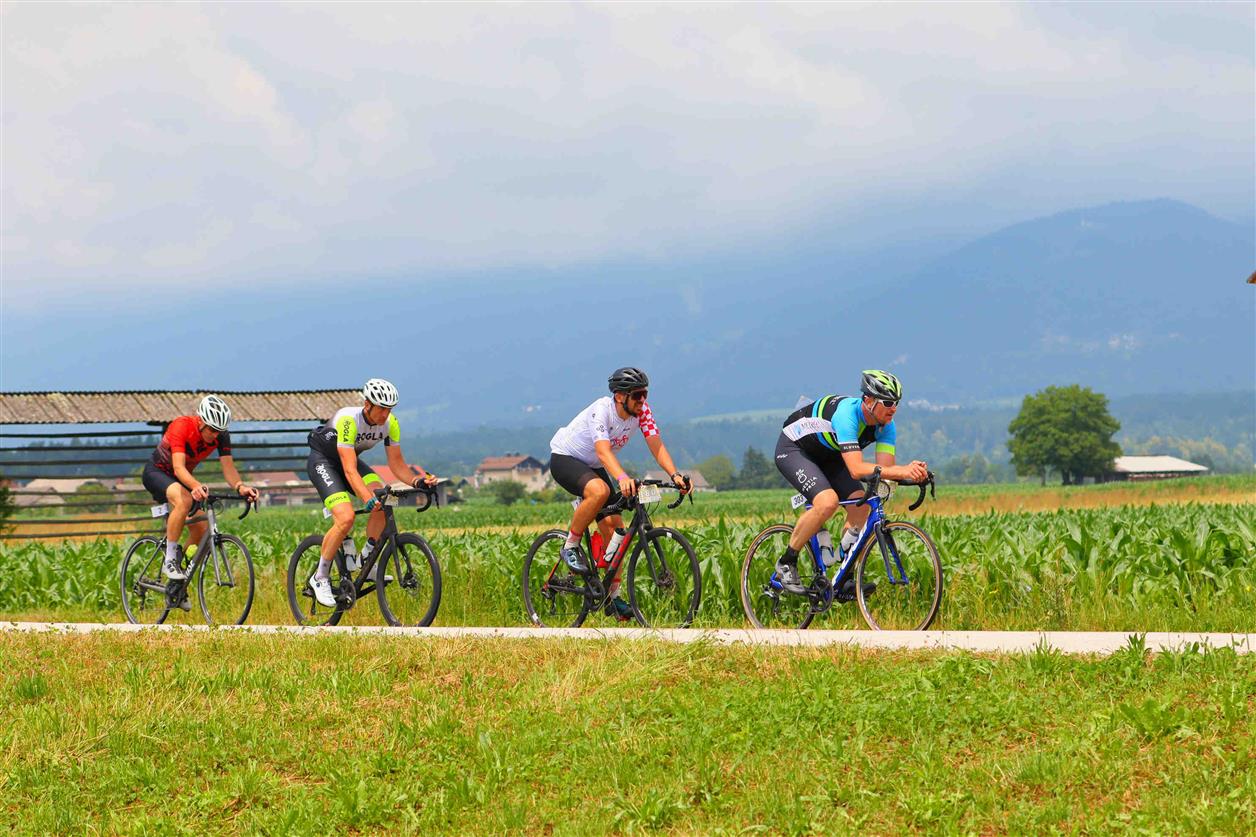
x=174 y=587
x=385 y=545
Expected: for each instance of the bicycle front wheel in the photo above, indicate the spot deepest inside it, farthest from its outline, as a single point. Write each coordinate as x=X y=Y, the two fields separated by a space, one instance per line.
x=553 y=596
x=664 y=580
x=225 y=582
x=305 y=608
x=899 y=579
x=407 y=583
x=763 y=601
x=143 y=587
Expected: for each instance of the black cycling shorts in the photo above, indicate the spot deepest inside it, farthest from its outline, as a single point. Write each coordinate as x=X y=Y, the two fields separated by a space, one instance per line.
x=157 y=481
x=330 y=481
x=811 y=476
x=573 y=475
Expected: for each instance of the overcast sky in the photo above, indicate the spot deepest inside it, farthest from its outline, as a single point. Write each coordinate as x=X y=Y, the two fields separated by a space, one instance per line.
x=144 y=143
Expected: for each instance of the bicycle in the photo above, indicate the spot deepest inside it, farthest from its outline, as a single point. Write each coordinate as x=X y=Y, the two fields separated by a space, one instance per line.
x=904 y=588
x=402 y=571
x=664 y=589
x=148 y=598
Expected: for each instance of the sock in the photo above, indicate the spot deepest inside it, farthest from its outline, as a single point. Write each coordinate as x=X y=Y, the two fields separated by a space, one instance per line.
x=366 y=548
x=324 y=568
x=172 y=550
x=573 y=539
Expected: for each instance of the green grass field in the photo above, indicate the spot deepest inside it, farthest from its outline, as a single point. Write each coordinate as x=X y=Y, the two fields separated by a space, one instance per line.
x=225 y=733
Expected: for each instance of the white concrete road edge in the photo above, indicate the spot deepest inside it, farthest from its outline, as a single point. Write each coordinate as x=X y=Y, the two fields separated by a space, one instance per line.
x=983 y=641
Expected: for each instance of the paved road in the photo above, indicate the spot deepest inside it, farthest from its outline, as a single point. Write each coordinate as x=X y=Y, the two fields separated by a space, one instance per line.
x=985 y=641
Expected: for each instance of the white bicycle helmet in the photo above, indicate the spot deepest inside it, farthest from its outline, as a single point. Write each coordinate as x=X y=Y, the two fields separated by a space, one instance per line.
x=214 y=412
x=380 y=393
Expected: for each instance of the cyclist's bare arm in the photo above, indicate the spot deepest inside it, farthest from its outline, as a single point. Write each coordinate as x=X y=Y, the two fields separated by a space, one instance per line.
x=861 y=470
x=349 y=464
x=397 y=464
x=664 y=459
x=612 y=466
x=234 y=479
x=179 y=464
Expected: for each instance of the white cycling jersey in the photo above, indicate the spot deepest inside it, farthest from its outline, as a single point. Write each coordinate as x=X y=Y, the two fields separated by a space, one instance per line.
x=599 y=422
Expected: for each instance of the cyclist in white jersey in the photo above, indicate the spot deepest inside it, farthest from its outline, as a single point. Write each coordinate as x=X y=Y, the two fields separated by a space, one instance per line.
x=338 y=472
x=583 y=461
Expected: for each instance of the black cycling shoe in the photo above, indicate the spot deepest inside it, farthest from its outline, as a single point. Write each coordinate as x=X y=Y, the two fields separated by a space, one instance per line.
x=620 y=609
x=787 y=573
x=847 y=593
x=574 y=558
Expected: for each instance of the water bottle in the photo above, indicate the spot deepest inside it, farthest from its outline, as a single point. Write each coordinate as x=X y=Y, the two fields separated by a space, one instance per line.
x=849 y=538
x=826 y=547
x=352 y=564
x=613 y=545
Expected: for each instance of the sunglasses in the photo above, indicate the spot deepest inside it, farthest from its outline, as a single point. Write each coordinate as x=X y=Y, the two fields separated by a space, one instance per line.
x=889 y=405
x=639 y=395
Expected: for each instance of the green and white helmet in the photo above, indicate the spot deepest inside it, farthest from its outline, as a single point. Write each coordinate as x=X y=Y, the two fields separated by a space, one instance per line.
x=880 y=384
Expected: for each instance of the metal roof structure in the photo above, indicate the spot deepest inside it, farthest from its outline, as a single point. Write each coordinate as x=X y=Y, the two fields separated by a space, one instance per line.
x=160 y=406
x=1155 y=465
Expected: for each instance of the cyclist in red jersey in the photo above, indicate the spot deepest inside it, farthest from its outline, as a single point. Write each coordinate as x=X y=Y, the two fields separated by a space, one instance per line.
x=168 y=474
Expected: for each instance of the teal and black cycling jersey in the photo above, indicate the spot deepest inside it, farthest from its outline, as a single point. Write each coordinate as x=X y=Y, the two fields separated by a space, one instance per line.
x=833 y=425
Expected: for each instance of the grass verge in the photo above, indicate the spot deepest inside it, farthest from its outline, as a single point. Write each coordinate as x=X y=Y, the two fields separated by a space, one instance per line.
x=233 y=734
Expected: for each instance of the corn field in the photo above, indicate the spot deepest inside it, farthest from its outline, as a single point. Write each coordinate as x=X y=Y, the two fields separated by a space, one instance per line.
x=1163 y=567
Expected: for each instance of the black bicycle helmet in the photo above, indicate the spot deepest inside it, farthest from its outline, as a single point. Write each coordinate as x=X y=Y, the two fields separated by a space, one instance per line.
x=881 y=385
x=628 y=379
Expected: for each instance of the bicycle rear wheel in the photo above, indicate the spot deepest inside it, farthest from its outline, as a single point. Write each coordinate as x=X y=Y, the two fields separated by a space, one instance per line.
x=407 y=583
x=763 y=601
x=143 y=586
x=553 y=596
x=225 y=582
x=907 y=573
x=305 y=608
x=664 y=580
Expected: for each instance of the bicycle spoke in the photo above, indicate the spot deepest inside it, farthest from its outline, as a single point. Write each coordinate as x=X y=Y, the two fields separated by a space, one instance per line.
x=408 y=583
x=553 y=596
x=665 y=580
x=901 y=577
x=225 y=582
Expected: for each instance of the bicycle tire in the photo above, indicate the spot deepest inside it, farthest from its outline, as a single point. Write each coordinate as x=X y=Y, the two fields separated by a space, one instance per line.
x=300 y=567
x=415 y=588
x=142 y=602
x=546 y=606
x=669 y=593
x=895 y=605
x=774 y=609
x=224 y=576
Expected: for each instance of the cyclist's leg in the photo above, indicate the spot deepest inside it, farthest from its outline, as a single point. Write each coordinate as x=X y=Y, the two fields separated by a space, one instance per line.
x=583 y=481
x=375 y=520
x=330 y=483
x=812 y=481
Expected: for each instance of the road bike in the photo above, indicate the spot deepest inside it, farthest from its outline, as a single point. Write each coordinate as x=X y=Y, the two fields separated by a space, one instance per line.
x=402 y=571
x=664 y=580
x=221 y=565
x=894 y=567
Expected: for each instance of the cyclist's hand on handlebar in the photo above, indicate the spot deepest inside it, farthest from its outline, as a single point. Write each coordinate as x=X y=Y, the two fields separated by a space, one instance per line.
x=916 y=471
x=682 y=482
x=248 y=492
x=425 y=481
x=628 y=486
x=200 y=492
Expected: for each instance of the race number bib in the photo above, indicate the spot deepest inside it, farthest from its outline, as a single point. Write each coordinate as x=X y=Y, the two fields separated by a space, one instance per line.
x=650 y=494
x=162 y=510
x=797 y=501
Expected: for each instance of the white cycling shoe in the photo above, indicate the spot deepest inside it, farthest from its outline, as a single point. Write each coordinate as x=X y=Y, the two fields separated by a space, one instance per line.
x=322 y=591
x=170 y=567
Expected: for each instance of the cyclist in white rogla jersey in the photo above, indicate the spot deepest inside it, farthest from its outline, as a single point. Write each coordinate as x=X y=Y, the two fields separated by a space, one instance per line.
x=583 y=461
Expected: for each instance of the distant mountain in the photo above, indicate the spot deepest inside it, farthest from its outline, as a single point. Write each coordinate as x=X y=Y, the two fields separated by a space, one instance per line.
x=1125 y=298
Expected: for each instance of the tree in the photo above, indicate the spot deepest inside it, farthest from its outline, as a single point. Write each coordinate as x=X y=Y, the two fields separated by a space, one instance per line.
x=93 y=491
x=757 y=471
x=508 y=492
x=1064 y=429
x=6 y=505
x=719 y=471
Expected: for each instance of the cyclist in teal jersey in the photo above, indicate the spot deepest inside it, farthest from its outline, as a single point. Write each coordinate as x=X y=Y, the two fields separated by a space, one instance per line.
x=339 y=474
x=819 y=452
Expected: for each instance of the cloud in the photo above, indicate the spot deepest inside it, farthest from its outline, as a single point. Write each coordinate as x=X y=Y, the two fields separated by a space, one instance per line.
x=233 y=142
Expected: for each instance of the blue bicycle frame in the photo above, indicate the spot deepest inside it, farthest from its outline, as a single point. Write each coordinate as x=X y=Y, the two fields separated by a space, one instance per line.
x=845 y=566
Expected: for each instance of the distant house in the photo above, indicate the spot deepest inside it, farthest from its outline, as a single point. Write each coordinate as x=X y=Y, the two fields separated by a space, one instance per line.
x=281 y=488
x=53 y=492
x=514 y=467
x=695 y=476
x=1152 y=468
